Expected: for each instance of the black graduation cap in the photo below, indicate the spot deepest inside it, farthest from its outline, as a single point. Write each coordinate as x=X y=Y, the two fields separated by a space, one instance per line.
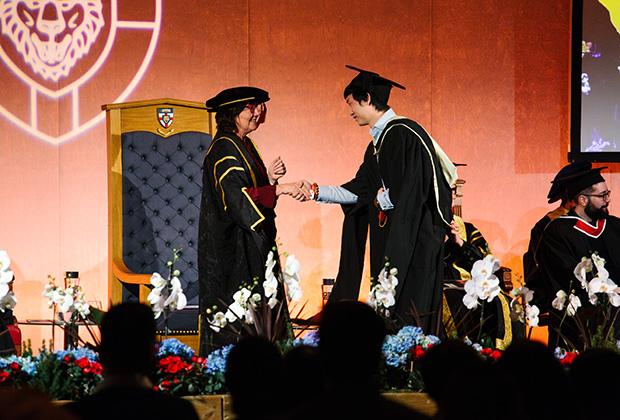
x=558 y=185
x=580 y=181
x=371 y=82
x=237 y=95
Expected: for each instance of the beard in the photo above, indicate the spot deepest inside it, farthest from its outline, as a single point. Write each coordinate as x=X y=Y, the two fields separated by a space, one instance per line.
x=596 y=213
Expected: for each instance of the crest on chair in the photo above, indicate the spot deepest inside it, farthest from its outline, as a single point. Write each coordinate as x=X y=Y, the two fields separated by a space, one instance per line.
x=165 y=116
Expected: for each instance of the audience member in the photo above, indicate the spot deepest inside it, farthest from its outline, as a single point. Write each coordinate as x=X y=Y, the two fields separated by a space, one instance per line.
x=127 y=354
x=254 y=377
x=351 y=335
x=538 y=381
x=594 y=375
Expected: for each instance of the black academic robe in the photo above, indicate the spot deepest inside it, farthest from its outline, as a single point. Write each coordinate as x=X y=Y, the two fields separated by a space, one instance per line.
x=413 y=234
x=457 y=319
x=563 y=244
x=235 y=234
x=532 y=275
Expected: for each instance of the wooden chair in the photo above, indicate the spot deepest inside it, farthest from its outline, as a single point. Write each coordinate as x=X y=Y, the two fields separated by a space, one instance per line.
x=155 y=153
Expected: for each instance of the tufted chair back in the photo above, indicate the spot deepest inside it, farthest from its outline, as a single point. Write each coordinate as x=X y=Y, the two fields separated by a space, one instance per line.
x=155 y=191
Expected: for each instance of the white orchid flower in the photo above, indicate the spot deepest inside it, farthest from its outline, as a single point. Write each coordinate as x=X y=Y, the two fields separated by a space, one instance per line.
x=581 y=271
x=157 y=280
x=527 y=293
x=66 y=303
x=82 y=308
x=385 y=297
x=485 y=267
x=269 y=265
x=154 y=296
x=470 y=301
x=242 y=295
x=531 y=313
x=176 y=299
x=560 y=299
x=218 y=322
x=272 y=302
x=5 y=278
x=614 y=299
x=235 y=312
x=292 y=266
x=5 y=261
x=293 y=291
x=8 y=302
x=387 y=280
x=270 y=285
x=574 y=303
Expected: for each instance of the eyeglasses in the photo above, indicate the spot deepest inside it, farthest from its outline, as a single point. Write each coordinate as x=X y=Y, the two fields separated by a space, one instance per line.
x=604 y=195
x=252 y=107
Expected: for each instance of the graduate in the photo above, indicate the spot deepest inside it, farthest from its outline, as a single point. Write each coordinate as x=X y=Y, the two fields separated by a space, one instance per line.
x=401 y=192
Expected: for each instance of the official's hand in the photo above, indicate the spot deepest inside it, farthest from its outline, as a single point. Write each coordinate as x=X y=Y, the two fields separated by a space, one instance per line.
x=276 y=170
x=454 y=234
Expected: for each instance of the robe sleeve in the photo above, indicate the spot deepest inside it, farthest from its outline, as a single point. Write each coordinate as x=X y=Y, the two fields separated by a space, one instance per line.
x=232 y=183
x=556 y=257
x=264 y=196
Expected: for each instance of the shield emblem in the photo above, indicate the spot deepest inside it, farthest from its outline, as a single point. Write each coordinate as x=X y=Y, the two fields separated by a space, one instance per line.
x=165 y=116
x=63 y=53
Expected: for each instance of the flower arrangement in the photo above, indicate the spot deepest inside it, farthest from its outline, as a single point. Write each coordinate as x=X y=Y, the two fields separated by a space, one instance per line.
x=382 y=294
x=596 y=328
x=70 y=299
x=67 y=374
x=181 y=372
x=17 y=371
x=167 y=294
x=521 y=310
x=7 y=297
x=261 y=310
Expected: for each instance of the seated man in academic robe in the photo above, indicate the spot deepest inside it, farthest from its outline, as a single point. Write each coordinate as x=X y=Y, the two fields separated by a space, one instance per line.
x=586 y=229
x=464 y=246
x=532 y=275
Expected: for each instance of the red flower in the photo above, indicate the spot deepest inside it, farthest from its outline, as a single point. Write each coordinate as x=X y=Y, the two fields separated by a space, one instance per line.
x=83 y=363
x=97 y=368
x=172 y=364
x=165 y=383
x=417 y=352
x=15 y=366
x=4 y=376
x=67 y=358
x=568 y=359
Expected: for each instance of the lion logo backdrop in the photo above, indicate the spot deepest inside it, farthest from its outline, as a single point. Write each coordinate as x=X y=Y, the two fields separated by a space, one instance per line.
x=66 y=54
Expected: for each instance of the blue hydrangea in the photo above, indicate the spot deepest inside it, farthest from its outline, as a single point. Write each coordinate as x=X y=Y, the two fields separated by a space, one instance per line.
x=216 y=361
x=173 y=347
x=396 y=348
x=311 y=339
x=77 y=353
x=27 y=364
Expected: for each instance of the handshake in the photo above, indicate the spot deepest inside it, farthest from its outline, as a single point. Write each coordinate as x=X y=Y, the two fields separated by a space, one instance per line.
x=300 y=190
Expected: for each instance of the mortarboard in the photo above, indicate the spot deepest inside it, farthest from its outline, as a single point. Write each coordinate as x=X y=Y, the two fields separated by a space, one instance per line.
x=371 y=82
x=237 y=95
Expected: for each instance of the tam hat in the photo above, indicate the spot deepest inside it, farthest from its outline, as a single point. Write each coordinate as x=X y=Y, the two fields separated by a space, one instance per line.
x=579 y=182
x=558 y=185
x=367 y=81
x=237 y=95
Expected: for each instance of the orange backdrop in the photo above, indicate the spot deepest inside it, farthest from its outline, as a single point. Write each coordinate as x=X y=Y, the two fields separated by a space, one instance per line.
x=489 y=80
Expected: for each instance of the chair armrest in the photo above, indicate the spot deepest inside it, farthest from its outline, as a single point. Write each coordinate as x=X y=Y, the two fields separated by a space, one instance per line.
x=124 y=275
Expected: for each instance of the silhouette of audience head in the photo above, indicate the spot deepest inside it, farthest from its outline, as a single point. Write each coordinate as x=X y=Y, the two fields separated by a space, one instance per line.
x=351 y=335
x=536 y=376
x=302 y=374
x=128 y=339
x=594 y=375
x=28 y=404
x=254 y=377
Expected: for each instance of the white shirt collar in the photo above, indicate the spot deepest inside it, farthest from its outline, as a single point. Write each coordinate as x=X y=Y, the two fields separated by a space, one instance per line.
x=377 y=129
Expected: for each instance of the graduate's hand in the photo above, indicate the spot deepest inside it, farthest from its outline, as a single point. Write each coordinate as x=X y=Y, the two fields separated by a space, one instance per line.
x=454 y=234
x=276 y=170
x=294 y=189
